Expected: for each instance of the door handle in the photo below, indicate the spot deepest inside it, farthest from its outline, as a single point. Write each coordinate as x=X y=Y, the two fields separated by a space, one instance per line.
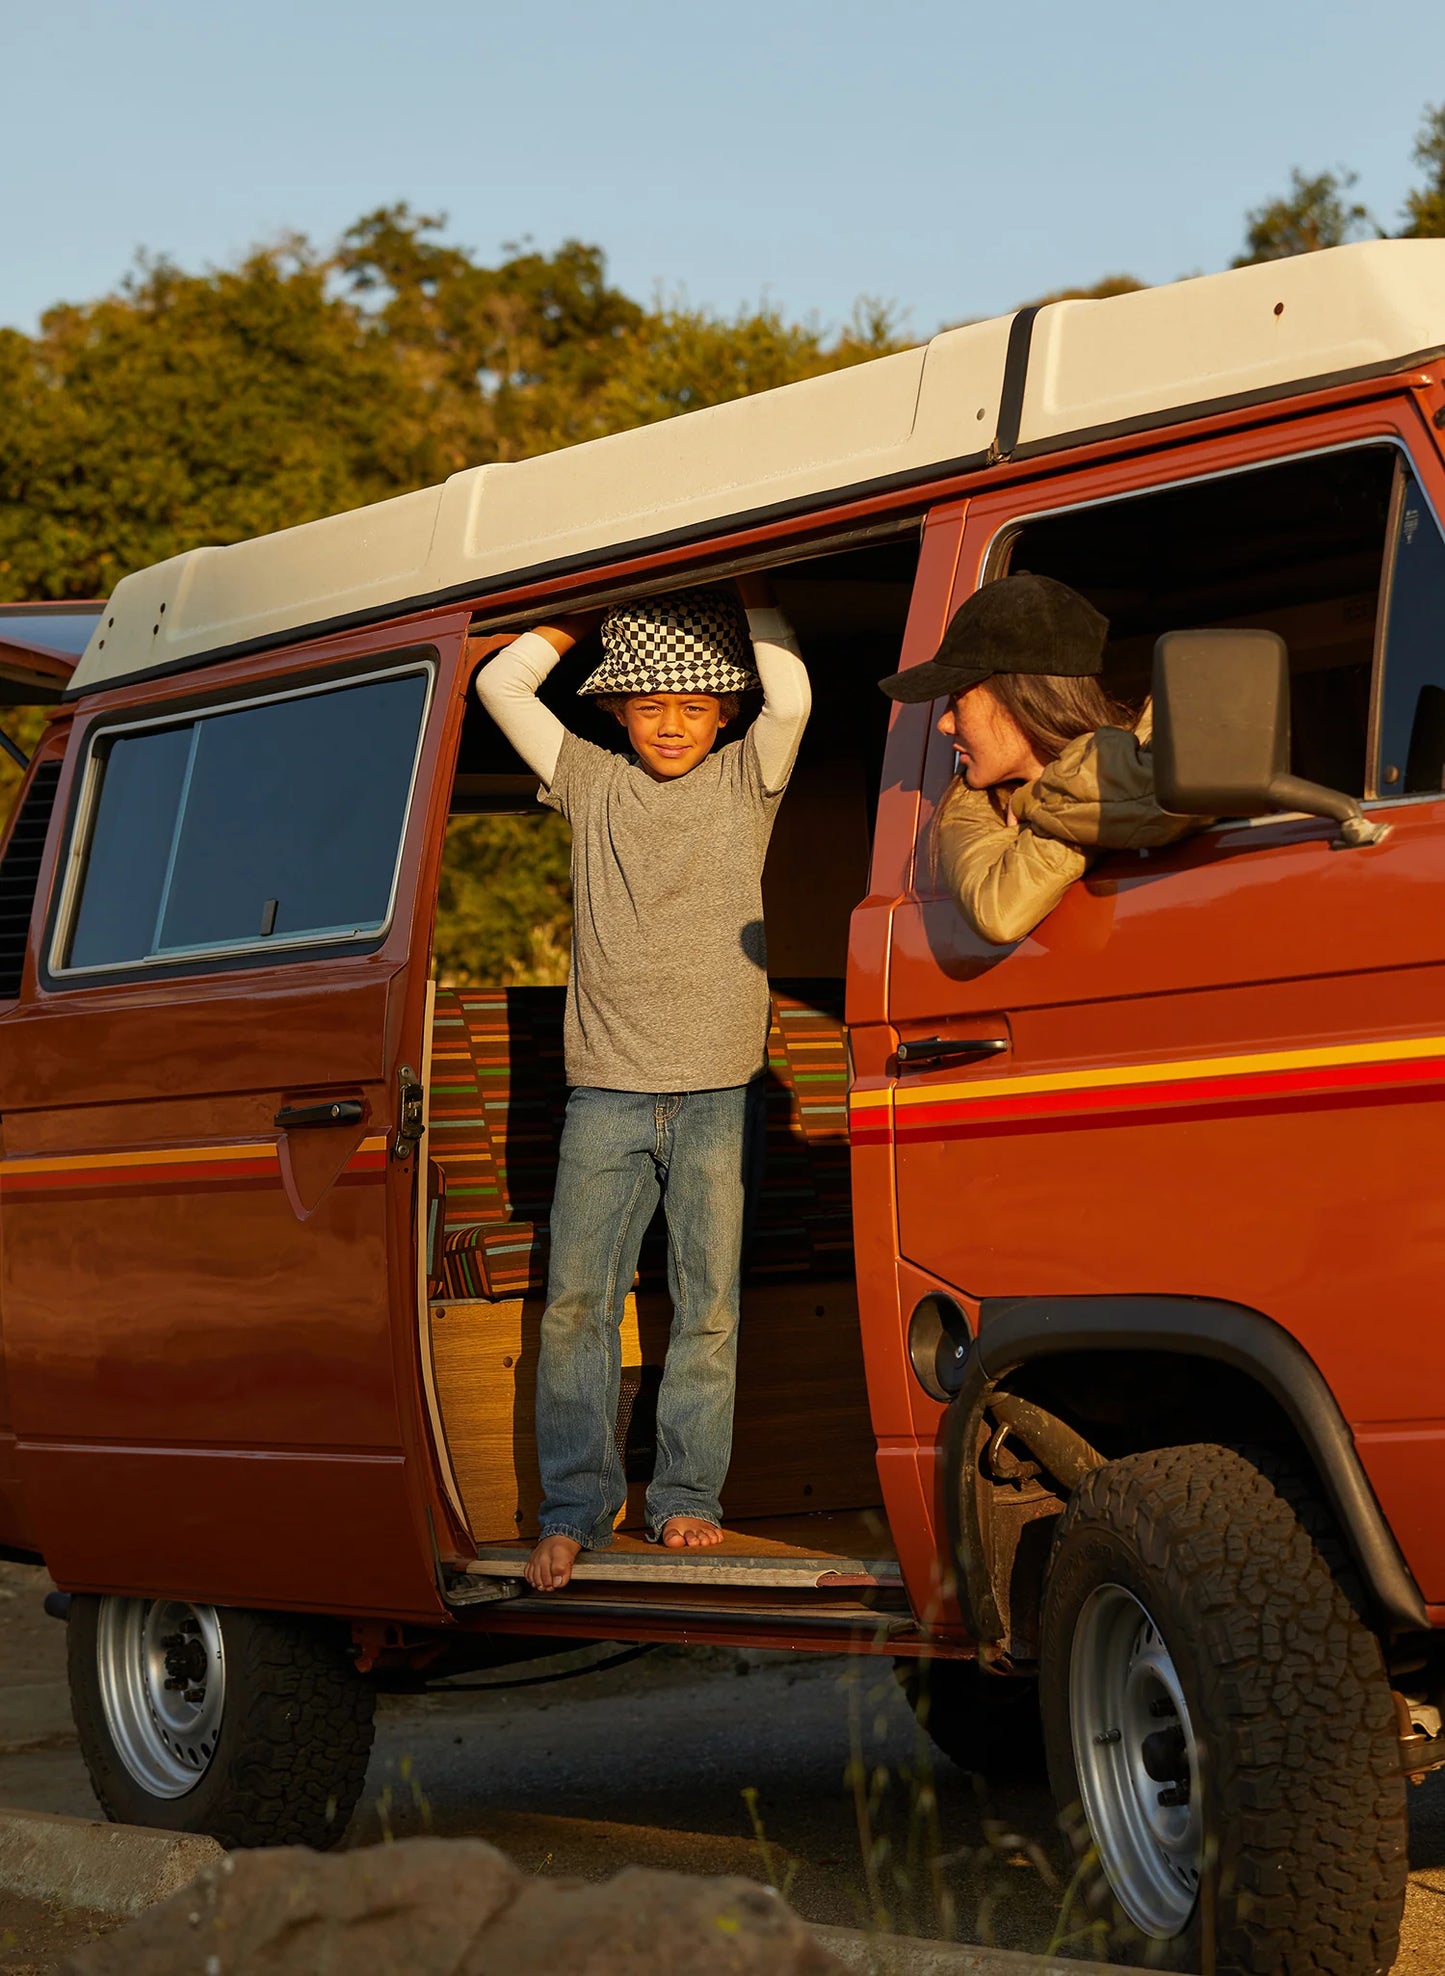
x=345 y=1111
x=937 y=1049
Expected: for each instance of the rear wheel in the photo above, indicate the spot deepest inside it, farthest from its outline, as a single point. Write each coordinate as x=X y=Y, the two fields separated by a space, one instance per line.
x=253 y=1727
x=1220 y=1731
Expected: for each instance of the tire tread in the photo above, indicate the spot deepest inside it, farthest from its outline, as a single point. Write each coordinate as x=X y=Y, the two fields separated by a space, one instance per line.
x=1295 y=1691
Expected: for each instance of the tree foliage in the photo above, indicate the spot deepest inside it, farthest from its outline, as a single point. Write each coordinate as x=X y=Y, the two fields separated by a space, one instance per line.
x=1425 y=206
x=1098 y=291
x=504 y=911
x=1315 y=212
x=1321 y=211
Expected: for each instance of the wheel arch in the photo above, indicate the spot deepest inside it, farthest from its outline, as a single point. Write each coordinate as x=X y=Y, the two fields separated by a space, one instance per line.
x=1021 y=1338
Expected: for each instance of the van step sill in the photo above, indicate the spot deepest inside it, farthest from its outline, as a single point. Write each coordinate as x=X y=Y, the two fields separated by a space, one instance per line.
x=766 y=1555
x=823 y=1574
x=838 y=1619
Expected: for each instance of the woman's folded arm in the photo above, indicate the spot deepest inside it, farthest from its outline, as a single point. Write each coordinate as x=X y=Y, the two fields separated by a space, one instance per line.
x=1004 y=880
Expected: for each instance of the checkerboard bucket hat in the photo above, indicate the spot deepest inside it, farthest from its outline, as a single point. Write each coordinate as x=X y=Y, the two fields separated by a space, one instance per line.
x=693 y=641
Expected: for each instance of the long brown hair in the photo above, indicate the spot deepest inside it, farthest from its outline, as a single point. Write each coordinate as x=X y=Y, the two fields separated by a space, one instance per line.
x=1051 y=710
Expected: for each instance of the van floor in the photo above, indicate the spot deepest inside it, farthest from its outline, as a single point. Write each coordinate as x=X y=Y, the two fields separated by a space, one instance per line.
x=840 y=1550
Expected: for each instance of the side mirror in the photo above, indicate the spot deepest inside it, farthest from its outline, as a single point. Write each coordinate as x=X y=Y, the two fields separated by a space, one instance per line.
x=1221 y=733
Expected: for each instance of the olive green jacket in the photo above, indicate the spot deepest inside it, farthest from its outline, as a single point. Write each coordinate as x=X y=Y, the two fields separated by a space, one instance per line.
x=1009 y=860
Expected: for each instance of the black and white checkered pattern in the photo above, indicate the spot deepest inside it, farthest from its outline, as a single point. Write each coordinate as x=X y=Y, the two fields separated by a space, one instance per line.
x=695 y=641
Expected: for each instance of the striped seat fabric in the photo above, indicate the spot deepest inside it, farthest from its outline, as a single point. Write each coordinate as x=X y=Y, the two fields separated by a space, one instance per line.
x=497 y=1099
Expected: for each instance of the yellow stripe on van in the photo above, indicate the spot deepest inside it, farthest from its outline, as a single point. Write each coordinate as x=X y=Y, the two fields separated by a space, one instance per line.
x=1176 y=1070
x=261 y=1149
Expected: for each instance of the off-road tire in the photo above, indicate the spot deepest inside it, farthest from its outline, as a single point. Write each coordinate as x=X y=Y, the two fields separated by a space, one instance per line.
x=985 y=1723
x=1241 y=1569
x=292 y=1746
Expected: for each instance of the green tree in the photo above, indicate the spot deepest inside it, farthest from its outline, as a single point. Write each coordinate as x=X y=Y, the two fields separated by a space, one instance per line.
x=1315 y=212
x=677 y=360
x=504 y=912
x=189 y=409
x=1425 y=207
x=512 y=358
x=1101 y=291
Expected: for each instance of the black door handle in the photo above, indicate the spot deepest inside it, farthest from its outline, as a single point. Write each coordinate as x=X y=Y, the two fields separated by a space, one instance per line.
x=345 y=1111
x=936 y=1049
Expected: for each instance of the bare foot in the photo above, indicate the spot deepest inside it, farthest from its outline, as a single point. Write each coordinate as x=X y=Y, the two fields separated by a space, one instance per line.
x=689 y=1533
x=550 y=1566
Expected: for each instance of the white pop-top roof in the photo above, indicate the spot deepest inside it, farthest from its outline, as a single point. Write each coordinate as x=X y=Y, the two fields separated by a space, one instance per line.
x=1133 y=360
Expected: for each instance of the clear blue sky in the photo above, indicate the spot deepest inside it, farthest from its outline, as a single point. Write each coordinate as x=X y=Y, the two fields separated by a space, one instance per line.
x=954 y=158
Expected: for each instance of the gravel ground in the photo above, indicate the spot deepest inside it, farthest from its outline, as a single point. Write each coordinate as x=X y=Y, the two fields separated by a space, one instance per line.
x=805 y=1770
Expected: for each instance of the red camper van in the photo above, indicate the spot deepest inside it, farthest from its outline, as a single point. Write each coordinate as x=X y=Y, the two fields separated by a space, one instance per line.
x=1088 y=1346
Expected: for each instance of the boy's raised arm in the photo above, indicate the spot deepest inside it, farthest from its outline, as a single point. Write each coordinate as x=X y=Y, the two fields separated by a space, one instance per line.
x=507 y=687
x=787 y=695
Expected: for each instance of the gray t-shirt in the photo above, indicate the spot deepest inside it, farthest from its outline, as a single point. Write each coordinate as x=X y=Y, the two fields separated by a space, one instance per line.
x=669 y=982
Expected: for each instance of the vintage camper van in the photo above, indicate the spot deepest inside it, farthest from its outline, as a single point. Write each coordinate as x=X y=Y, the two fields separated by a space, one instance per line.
x=1089 y=1347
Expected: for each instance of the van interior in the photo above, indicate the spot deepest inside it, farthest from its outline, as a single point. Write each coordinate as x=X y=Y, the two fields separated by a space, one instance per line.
x=802 y=1501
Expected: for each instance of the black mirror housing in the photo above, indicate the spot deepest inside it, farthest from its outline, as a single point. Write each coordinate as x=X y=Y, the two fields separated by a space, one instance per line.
x=1221 y=733
x=1221 y=721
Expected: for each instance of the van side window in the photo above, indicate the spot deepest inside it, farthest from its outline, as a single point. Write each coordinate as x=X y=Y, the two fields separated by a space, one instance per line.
x=271 y=825
x=1297 y=548
x=1412 y=712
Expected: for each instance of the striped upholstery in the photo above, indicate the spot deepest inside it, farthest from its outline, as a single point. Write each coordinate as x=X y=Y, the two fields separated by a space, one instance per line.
x=803 y=1221
x=498 y=1095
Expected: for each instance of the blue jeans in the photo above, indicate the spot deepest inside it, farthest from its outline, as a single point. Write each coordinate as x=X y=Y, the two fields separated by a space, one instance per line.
x=622 y=1152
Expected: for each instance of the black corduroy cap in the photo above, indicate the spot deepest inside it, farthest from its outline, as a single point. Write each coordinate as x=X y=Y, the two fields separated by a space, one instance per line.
x=1022 y=623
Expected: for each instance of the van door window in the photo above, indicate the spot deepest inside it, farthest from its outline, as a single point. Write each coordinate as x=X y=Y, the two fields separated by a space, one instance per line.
x=267 y=826
x=1297 y=548
x=1412 y=711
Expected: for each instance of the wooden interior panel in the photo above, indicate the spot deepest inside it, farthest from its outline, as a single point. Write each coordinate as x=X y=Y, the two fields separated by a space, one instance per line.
x=802 y=1436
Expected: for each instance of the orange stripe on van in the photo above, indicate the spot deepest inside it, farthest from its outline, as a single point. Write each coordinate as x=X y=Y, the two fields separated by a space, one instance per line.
x=168 y=1166
x=1402 y=1068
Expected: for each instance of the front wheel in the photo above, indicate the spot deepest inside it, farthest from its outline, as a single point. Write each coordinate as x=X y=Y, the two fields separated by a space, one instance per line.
x=253 y=1727
x=1220 y=1731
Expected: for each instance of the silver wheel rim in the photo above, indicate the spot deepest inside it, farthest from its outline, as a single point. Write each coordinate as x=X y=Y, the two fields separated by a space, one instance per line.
x=162 y=1673
x=1137 y=1761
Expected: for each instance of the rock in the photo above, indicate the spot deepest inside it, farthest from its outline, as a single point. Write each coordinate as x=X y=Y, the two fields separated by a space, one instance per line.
x=452 y=1907
x=644 y=1923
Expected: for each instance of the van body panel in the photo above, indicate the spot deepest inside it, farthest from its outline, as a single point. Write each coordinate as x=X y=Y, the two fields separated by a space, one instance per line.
x=1226 y=1076
x=256 y=1448
x=149 y=1046
x=329 y=1531
x=907 y=1495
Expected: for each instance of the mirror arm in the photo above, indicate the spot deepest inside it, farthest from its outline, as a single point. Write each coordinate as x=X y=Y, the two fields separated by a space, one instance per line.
x=1292 y=792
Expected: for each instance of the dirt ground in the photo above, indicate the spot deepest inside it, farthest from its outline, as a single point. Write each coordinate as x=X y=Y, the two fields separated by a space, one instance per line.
x=799 y=1770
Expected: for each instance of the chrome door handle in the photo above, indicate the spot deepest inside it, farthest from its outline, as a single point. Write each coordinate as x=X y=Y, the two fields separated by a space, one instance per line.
x=346 y=1111
x=937 y=1049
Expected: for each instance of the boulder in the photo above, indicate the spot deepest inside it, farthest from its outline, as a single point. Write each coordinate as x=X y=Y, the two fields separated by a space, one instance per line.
x=452 y=1907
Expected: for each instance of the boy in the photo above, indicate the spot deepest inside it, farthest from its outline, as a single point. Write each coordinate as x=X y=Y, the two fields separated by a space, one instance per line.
x=666 y=1029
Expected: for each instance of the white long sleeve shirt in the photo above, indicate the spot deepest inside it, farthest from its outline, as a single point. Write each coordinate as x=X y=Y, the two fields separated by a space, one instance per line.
x=668 y=989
